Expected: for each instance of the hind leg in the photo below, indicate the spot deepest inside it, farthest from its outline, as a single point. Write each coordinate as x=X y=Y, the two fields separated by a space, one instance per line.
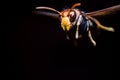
x=101 y=26
x=105 y=28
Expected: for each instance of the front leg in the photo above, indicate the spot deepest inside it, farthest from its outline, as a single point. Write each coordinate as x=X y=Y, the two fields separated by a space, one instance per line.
x=77 y=32
x=77 y=35
x=67 y=37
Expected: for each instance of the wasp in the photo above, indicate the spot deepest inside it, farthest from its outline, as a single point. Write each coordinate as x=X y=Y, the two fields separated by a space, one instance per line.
x=81 y=22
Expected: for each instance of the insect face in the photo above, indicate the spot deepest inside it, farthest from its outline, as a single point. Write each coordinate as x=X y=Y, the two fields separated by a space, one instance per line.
x=68 y=18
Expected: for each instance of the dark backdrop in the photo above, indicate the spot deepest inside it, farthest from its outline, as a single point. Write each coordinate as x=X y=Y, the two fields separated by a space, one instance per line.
x=37 y=48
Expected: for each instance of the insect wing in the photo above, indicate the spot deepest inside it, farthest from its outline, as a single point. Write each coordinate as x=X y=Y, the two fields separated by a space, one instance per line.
x=49 y=14
x=104 y=12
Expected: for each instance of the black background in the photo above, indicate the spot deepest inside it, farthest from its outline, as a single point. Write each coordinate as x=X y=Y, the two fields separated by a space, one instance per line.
x=38 y=50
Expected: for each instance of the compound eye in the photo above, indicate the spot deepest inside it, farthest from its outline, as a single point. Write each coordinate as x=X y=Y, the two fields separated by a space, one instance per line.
x=72 y=16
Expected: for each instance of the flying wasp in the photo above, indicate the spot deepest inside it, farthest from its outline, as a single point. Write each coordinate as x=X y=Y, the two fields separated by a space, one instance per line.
x=78 y=20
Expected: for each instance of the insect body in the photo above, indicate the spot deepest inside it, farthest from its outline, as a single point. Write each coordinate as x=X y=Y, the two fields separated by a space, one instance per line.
x=81 y=21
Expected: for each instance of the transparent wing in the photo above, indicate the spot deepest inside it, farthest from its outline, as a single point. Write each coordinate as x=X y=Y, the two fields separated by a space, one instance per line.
x=103 y=12
x=47 y=11
x=49 y=14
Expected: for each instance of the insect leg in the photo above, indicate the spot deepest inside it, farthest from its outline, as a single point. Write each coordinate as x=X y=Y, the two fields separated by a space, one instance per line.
x=101 y=26
x=77 y=35
x=91 y=39
x=77 y=32
x=68 y=38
